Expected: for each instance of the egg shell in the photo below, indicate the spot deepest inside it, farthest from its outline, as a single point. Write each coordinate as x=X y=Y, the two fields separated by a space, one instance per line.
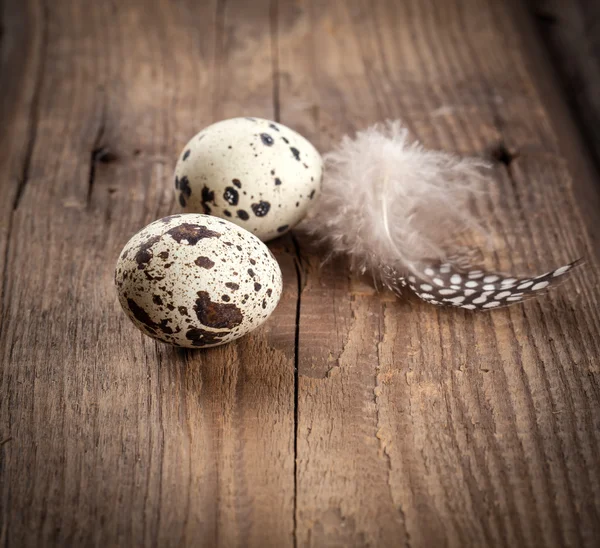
x=257 y=173
x=197 y=281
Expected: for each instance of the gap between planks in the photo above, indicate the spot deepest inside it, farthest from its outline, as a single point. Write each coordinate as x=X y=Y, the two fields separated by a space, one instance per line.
x=274 y=35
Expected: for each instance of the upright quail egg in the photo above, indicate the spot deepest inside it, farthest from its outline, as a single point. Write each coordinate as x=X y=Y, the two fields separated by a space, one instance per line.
x=197 y=281
x=259 y=174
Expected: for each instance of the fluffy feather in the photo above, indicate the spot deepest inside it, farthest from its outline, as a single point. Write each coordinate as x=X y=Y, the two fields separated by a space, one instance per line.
x=387 y=200
x=400 y=211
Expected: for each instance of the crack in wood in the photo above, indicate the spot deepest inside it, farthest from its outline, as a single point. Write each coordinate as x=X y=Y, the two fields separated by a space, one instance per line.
x=275 y=77
x=273 y=20
x=299 y=276
x=99 y=153
x=33 y=126
x=218 y=53
x=34 y=111
x=378 y=435
x=92 y=175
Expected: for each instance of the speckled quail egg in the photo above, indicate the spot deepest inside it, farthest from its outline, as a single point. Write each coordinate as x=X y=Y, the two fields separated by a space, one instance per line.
x=197 y=281
x=259 y=174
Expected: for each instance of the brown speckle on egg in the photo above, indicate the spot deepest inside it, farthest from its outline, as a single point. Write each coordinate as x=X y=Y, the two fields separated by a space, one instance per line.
x=215 y=314
x=141 y=315
x=191 y=233
x=203 y=337
x=261 y=208
x=144 y=252
x=231 y=196
x=204 y=262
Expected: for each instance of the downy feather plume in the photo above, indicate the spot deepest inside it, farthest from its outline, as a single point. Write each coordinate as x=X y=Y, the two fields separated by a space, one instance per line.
x=401 y=212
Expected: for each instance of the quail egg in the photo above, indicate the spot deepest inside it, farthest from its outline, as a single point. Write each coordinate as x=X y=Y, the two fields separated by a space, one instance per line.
x=197 y=281
x=259 y=174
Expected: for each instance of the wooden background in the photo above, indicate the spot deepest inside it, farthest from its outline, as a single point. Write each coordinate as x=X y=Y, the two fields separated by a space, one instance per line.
x=351 y=418
x=571 y=31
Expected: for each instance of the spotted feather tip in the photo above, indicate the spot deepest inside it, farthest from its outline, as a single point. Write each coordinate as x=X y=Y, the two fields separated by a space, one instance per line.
x=446 y=285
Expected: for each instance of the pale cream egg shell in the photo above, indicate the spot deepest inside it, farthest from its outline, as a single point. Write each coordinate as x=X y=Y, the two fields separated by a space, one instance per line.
x=197 y=281
x=257 y=173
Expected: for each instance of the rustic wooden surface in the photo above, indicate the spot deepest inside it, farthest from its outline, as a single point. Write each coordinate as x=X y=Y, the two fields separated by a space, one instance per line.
x=571 y=31
x=352 y=418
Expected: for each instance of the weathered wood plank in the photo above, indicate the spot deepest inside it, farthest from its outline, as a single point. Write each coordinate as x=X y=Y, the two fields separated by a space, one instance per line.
x=117 y=440
x=424 y=427
x=414 y=426
x=21 y=70
x=570 y=31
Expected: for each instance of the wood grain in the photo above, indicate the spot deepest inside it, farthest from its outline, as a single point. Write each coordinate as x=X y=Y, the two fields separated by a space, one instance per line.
x=117 y=440
x=351 y=418
x=444 y=428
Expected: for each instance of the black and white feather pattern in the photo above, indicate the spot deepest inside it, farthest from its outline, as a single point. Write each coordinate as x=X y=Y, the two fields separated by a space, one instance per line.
x=401 y=212
x=445 y=285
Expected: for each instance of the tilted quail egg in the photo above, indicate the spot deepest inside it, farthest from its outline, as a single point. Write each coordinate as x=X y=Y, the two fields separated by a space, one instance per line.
x=259 y=174
x=197 y=281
